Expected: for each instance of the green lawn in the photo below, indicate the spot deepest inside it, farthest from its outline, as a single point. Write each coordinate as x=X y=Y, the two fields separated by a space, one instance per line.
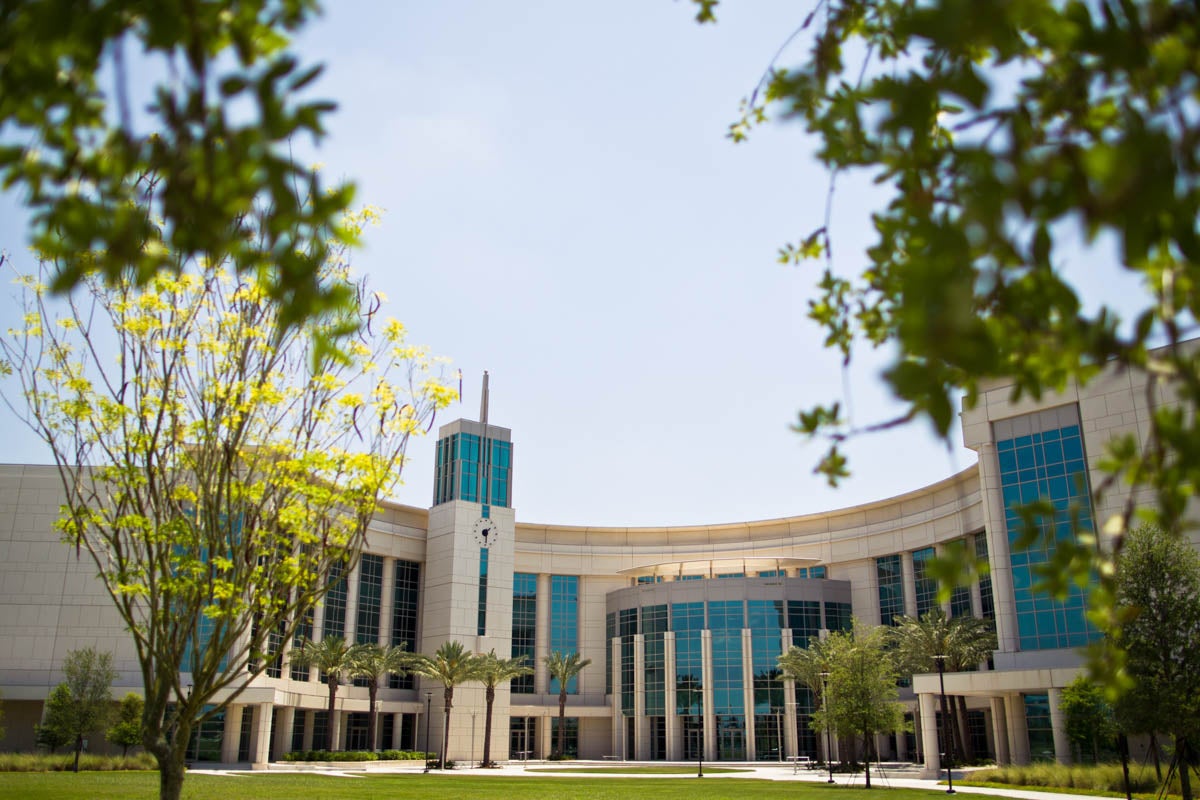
x=144 y=786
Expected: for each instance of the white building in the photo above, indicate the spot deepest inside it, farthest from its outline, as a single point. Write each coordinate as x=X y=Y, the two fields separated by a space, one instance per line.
x=682 y=624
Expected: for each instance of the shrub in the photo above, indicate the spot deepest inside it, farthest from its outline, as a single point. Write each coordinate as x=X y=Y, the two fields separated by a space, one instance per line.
x=1088 y=777
x=353 y=755
x=42 y=762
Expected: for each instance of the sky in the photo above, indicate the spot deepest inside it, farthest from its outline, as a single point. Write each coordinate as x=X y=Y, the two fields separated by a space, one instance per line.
x=562 y=208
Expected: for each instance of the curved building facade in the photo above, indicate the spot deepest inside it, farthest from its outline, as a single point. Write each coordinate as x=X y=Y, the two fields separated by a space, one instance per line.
x=682 y=625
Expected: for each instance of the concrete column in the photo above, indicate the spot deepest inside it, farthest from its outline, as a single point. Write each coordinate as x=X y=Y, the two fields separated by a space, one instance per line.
x=398 y=732
x=1000 y=730
x=929 y=736
x=998 y=552
x=1058 y=725
x=1018 y=730
x=352 y=582
x=318 y=631
x=673 y=723
x=232 y=736
x=710 y=727
x=618 y=731
x=901 y=746
x=260 y=734
x=307 y=739
x=541 y=644
x=748 y=693
x=640 y=738
x=284 y=724
x=790 y=743
x=387 y=601
x=908 y=586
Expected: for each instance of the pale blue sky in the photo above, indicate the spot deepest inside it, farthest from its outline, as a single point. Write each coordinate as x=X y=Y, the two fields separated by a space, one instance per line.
x=563 y=209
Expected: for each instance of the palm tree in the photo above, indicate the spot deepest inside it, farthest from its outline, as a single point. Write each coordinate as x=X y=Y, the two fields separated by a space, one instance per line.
x=373 y=664
x=492 y=671
x=450 y=666
x=811 y=667
x=965 y=642
x=334 y=656
x=563 y=668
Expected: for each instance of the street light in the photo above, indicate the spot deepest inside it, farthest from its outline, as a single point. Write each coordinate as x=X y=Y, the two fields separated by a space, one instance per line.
x=428 y=712
x=828 y=738
x=941 y=667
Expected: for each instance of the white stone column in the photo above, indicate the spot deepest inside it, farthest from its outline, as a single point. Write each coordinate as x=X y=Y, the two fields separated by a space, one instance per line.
x=1000 y=730
x=1058 y=725
x=618 y=730
x=232 y=736
x=352 y=583
x=284 y=723
x=998 y=552
x=1018 y=730
x=541 y=644
x=387 y=601
x=260 y=734
x=398 y=732
x=710 y=728
x=307 y=740
x=748 y=693
x=908 y=585
x=639 y=698
x=673 y=722
x=929 y=734
x=901 y=746
x=790 y=743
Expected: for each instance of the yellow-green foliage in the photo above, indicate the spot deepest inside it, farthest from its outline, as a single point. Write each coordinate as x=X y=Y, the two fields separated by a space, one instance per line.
x=40 y=762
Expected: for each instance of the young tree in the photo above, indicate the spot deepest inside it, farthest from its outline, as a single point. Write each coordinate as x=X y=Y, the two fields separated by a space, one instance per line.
x=374 y=663
x=861 y=673
x=563 y=668
x=82 y=704
x=54 y=730
x=1158 y=598
x=162 y=185
x=493 y=671
x=217 y=465
x=965 y=642
x=1090 y=721
x=335 y=658
x=450 y=666
x=127 y=730
x=1001 y=135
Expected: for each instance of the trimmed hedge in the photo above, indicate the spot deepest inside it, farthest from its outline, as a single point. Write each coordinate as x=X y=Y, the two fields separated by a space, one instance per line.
x=355 y=755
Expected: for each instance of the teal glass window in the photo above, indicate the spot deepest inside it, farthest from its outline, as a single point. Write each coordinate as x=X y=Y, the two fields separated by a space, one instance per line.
x=726 y=619
x=481 y=622
x=804 y=619
x=405 y=597
x=304 y=632
x=370 y=599
x=766 y=620
x=1041 y=732
x=524 y=627
x=335 y=604
x=891 y=589
x=812 y=572
x=610 y=633
x=654 y=625
x=627 y=625
x=461 y=468
x=687 y=621
x=838 y=616
x=987 y=603
x=564 y=622
x=1046 y=465
x=924 y=587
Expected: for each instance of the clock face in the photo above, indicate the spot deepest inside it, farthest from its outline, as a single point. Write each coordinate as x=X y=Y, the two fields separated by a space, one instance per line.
x=486 y=531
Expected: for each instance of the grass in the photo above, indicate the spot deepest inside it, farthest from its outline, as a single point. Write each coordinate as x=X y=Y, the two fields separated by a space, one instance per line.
x=1095 y=779
x=144 y=786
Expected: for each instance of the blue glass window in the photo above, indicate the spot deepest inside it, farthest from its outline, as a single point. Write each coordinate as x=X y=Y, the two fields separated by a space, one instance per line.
x=838 y=616
x=335 y=604
x=654 y=625
x=564 y=621
x=370 y=599
x=460 y=469
x=891 y=589
x=726 y=619
x=924 y=587
x=481 y=622
x=405 y=596
x=804 y=618
x=687 y=621
x=524 y=627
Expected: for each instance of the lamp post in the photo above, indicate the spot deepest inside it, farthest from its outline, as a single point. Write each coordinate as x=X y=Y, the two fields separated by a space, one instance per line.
x=828 y=737
x=428 y=713
x=941 y=668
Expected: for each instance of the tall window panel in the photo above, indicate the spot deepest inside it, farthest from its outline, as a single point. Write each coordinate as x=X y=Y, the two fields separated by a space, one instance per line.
x=891 y=589
x=1039 y=462
x=766 y=620
x=335 y=604
x=564 y=621
x=654 y=625
x=304 y=632
x=838 y=616
x=627 y=626
x=726 y=618
x=524 y=627
x=460 y=470
x=924 y=587
x=370 y=599
x=481 y=619
x=987 y=602
x=405 y=598
x=610 y=633
x=960 y=596
x=687 y=621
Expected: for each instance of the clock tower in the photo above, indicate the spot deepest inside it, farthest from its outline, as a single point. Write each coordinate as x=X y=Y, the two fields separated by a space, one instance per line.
x=469 y=557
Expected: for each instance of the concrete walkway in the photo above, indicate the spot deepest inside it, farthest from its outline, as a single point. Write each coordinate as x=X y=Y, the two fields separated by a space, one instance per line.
x=889 y=776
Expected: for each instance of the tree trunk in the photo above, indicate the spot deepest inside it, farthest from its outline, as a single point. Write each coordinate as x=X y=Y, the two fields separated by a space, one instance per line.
x=868 y=740
x=490 y=695
x=1183 y=763
x=78 y=750
x=562 y=721
x=1157 y=760
x=449 y=695
x=372 y=693
x=330 y=727
x=1123 y=748
x=964 y=737
x=170 y=756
